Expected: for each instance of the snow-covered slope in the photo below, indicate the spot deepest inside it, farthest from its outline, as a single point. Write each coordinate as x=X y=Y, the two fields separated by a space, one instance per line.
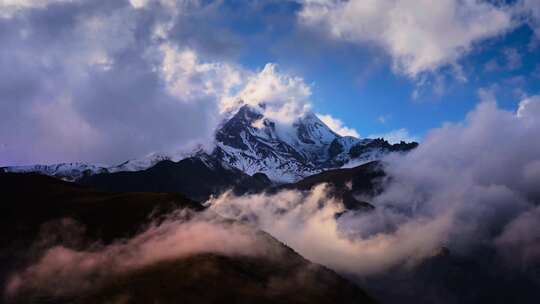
x=76 y=170
x=150 y=160
x=252 y=143
x=66 y=171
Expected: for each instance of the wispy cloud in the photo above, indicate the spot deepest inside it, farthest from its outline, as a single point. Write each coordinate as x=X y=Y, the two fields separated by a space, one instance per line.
x=384 y=118
x=512 y=61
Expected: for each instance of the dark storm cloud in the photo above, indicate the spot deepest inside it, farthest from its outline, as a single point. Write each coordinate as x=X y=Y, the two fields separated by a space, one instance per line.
x=83 y=80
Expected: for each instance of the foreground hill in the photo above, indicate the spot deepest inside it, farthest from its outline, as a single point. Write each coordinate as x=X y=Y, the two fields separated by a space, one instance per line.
x=31 y=204
x=76 y=217
x=218 y=279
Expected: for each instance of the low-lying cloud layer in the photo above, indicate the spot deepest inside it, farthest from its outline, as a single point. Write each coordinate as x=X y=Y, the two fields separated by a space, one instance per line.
x=64 y=271
x=354 y=243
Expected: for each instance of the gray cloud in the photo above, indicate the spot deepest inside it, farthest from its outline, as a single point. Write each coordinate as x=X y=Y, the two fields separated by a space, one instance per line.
x=105 y=81
x=520 y=241
x=84 y=80
x=482 y=170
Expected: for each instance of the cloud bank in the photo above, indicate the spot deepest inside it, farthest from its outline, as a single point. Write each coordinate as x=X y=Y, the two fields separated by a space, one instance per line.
x=307 y=223
x=482 y=170
x=102 y=81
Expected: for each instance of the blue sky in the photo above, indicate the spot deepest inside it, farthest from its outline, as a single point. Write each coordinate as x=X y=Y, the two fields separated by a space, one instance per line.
x=108 y=80
x=356 y=83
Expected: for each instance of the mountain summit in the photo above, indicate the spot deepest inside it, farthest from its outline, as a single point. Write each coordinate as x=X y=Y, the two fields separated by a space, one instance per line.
x=286 y=153
x=253 y=143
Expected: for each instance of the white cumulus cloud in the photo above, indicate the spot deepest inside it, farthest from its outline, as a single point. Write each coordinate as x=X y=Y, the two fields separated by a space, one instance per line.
x=419 y=35
x=190 y=79
x=285 y=97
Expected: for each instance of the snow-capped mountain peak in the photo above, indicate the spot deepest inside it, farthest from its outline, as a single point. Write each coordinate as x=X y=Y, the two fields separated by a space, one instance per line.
x=253 y=143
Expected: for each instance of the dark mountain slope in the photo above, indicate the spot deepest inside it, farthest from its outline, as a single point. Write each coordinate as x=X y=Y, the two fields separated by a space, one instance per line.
x=28 y=200
x=359 y=179
x=453 y=278
x=33 y=204
x=217 y=279
x=346 y=184
x=195 y=177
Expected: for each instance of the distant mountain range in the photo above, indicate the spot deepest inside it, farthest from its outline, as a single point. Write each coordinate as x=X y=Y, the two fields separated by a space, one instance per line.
x=252 y=143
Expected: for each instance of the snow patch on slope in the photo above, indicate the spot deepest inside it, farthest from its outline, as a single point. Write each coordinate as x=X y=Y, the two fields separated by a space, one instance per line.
x=65 y=171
